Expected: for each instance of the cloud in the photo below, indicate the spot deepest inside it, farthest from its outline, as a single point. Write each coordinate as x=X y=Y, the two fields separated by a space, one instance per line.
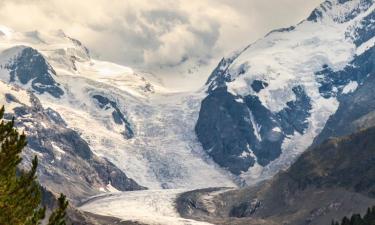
x=157 y=34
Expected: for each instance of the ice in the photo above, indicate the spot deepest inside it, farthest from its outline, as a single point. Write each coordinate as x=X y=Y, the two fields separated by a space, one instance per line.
x=365 y=46
x=165 y=155
x=164 y=152
x=351 y=87
x=154 y=207
x=288 y=59
x=22 y=97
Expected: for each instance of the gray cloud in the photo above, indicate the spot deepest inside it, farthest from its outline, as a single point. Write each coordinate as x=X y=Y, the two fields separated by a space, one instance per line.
x=157 y=34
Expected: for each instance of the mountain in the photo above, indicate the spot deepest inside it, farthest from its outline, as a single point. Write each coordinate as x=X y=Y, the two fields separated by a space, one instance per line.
x=97 y=126
x=267 y=103
x=356 y=109
x=329 y=181
x=101 y=129
x=66 y=162
x=262 y=108
x=298 y=103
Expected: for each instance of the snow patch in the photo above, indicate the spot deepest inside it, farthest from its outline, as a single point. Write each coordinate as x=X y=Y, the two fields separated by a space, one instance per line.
x=256 y=127
x=351 y=87
x=277 y=129
x=365 y=46
x=21 y=96
x=58 y=151
x=245 y=154
x=294 y=145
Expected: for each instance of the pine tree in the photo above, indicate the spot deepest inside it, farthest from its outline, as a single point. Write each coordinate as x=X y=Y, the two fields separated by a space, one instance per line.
x=58 y=216
x=356 y=219
x=345 y=221
x=20 y=194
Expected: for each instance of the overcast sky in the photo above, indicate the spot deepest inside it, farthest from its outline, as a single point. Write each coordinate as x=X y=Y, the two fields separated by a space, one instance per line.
x=158 y=35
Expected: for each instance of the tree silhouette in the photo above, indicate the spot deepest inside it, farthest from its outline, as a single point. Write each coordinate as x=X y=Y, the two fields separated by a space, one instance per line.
x=20 y=194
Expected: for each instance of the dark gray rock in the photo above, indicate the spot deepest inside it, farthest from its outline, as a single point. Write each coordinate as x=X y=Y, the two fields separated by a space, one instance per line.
x=329 y=181
x=66 y=162
x=245 y=209
x=223 y=130
x=229 y=129
x=118 y=117
x=366 y=30
x=258 y=85
x=319 y=12
x=219 y=76
x=281 y=30
x=294 y=117
x=11 y=98
x=353 y=106
x=332 y=82
x=31 y=66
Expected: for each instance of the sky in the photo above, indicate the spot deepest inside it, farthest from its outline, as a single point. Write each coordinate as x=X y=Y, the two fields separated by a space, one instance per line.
x=171 y=37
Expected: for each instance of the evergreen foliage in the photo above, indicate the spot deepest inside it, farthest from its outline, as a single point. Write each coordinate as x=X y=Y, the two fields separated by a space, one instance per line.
x=20 y=194
x=58 y=216
x=357 y=219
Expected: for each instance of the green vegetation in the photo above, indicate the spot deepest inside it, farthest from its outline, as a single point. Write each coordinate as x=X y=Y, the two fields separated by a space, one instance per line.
x=357 y=219
x=20 y=194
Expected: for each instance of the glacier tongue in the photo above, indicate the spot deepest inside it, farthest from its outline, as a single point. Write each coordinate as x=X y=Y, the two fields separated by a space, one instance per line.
x=163 y=153
x=270 y=94
x=126 y=116
x=147 y=130
x=154 y=207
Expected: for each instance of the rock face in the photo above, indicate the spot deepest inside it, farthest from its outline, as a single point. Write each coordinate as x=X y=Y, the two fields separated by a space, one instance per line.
x=223 y=130
x=124 y=116
x=31 y=66
x=117 y=115
x=231 y=129
x=356 y=110
x=266 y=103
x=346 y=162
x=350 y=12
x=66 y=162
x=327 y=182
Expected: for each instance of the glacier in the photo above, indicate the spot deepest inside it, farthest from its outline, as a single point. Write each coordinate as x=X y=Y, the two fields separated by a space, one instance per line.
x=280 y=91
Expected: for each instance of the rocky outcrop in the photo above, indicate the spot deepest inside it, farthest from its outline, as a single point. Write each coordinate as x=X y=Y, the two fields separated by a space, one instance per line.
x=260 y=107
x=67 y=163
x=327 y=182
x=118 y=117
x=356 y=108
x=31 y=66
x=239 y=131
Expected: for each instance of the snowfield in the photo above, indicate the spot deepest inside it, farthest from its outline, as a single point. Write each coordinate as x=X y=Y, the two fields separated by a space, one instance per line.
x=287 y=58
x=22 y=96
x=163 y=154
x=154 y=207
x=147 y=129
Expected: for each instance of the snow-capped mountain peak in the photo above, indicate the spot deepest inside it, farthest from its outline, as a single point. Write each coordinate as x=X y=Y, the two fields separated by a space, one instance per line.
x=339 y=11
x=102 y=127
x=278 y=93
x=127 y=117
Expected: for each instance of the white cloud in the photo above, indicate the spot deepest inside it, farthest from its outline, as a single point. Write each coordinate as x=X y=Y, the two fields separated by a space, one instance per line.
x=159 y=34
